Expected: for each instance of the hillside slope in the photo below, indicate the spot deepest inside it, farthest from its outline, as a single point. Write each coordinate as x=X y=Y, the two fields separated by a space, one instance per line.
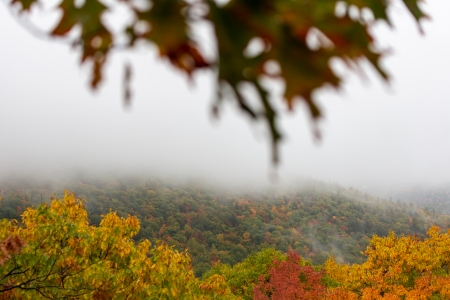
x=316 y=219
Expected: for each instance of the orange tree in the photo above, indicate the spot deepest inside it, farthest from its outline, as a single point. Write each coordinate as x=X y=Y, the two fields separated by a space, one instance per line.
x=297 y=38
x=56 y=254
x=397 y=268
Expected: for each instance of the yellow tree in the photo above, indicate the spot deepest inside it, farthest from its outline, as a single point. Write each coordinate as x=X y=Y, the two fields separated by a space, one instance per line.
x=398 y=268
x=56 y=254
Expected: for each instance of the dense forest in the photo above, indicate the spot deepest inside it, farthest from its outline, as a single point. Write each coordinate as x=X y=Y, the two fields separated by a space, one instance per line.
x=54 y=252
x=314 y=219
x=433 y=199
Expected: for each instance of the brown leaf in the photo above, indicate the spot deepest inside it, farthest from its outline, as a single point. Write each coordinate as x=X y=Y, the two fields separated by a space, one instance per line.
x=10 y=246
x=169 y=31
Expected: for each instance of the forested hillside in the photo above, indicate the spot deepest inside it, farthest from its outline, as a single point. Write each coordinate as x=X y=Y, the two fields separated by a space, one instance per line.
x=54 y=253
x=314 y=219
x=430 y=198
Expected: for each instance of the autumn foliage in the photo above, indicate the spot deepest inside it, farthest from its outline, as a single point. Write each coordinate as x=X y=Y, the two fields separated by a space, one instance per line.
x=56 y=254
x=405 y=267
x=10 y=246
x=398 y=268
x=290 y=280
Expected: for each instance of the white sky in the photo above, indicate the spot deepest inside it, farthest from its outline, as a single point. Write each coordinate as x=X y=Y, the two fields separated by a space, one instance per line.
x=373 y=135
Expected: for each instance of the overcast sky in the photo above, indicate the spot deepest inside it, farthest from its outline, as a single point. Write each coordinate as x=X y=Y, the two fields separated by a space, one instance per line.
x=373 y=134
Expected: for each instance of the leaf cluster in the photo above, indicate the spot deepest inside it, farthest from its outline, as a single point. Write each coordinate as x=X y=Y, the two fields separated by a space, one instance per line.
x=403 y=267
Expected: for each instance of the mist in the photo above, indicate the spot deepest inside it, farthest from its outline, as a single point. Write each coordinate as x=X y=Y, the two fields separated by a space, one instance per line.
x=376 y=136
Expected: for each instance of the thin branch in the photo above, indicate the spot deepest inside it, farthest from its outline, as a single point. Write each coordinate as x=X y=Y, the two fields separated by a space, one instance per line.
x=10 y=273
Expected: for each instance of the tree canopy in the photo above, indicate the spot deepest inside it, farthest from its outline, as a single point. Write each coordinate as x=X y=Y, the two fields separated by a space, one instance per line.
x=54 y=253
x=219 y=225
x=403 y=267
x=298 y=39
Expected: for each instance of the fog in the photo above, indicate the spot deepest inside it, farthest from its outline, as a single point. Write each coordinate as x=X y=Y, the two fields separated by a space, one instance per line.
x=374 y=135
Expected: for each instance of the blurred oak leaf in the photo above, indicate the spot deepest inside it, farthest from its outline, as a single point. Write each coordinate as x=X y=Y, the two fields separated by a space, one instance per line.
x=95 y=39
x=300 y=37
